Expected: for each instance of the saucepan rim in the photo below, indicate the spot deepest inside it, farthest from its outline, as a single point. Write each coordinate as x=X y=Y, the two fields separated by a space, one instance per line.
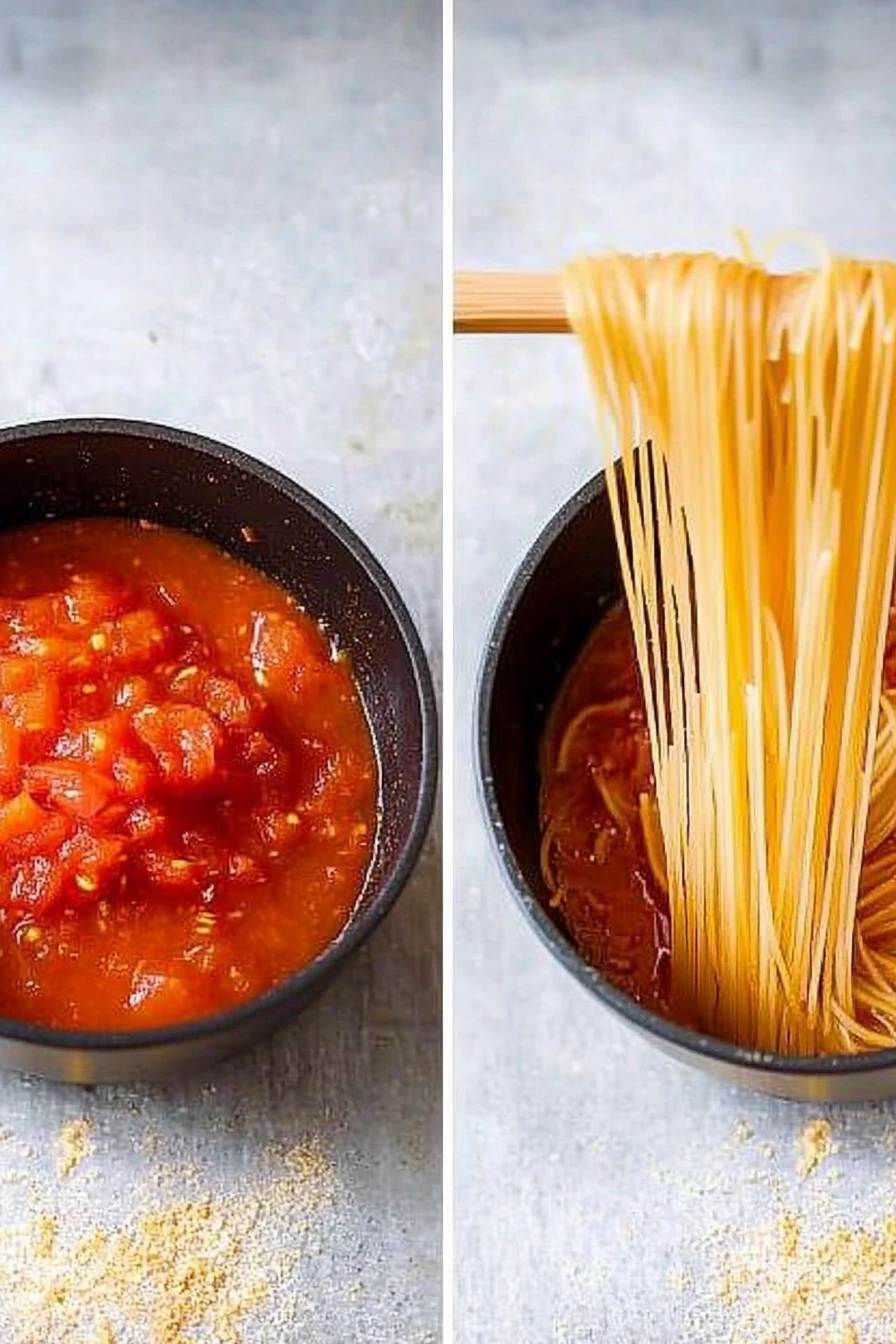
x=299 y=986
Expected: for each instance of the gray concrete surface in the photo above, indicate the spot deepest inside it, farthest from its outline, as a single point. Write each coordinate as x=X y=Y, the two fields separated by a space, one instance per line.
x=228 y=217
x=592 y=1176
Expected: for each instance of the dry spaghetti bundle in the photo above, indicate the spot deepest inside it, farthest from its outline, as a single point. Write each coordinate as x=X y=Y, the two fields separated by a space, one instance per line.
x=755 y=513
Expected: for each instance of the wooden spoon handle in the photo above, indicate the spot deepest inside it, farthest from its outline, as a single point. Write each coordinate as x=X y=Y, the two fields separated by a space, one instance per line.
x=508 y=302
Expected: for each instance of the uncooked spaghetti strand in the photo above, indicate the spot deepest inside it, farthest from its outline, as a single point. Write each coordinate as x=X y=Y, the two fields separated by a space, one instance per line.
x=756 y=523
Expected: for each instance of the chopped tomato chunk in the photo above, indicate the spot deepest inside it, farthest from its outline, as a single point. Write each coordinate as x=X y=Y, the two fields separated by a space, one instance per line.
x=137 y=637
x=73 y=787
x=37 y=883
x=19 y=816
x=10 y=751
x=282 y=653
x=46 y=612
x=279 y=830
x=47 y=837
x=51 y=651
x=133 y=777
x=183 y=740
x=97 y=742
x=90 y=860
x=133 y=693
x=91 y=599
x=16 y=674
x=227 y=702
x=265 y=758
x=35 y=710
x=145 y=823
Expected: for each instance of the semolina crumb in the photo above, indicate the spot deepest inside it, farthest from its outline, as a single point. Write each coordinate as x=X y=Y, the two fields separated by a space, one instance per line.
x=72 y=1146
x=813 y=1145
x=183 y=1267
x=44 y=1231
x=783 y=1284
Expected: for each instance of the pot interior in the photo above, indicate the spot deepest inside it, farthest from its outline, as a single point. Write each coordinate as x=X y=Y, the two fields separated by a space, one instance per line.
x=568 y=580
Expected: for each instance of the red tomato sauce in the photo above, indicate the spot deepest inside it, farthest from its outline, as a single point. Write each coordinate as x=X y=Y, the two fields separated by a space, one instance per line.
x=188 y=786
x=604 y=892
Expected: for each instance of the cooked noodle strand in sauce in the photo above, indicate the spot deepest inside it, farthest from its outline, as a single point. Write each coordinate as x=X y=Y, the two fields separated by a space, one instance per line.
x=602 y=854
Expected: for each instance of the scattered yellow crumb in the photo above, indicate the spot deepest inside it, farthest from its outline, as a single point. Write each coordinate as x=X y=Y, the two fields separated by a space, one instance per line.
x=308 y=1160
x=172 y=1270
x=742 y=1132
x=844 y=1334
x=789 y=1228
x=814 y=1145
x=45 y=1228
x=779 y=1283
x=194 y=1266
x=72 y=1146
x=150 y=1143
x=678 y=1280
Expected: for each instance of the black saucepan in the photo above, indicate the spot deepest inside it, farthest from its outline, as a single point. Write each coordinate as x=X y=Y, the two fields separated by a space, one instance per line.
x=88 y=468
x=566 y=582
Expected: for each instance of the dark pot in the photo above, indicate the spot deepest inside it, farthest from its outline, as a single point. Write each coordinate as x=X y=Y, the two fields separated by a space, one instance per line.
x=87 y=468
x=566 y=582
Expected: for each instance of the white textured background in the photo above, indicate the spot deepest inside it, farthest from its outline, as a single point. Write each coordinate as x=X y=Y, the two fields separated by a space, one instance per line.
x=590 y=1170
x=227 y=217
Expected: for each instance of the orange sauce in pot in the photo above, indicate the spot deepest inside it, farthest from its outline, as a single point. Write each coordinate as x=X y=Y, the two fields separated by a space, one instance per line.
x=604 y=893
x=188 y=786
